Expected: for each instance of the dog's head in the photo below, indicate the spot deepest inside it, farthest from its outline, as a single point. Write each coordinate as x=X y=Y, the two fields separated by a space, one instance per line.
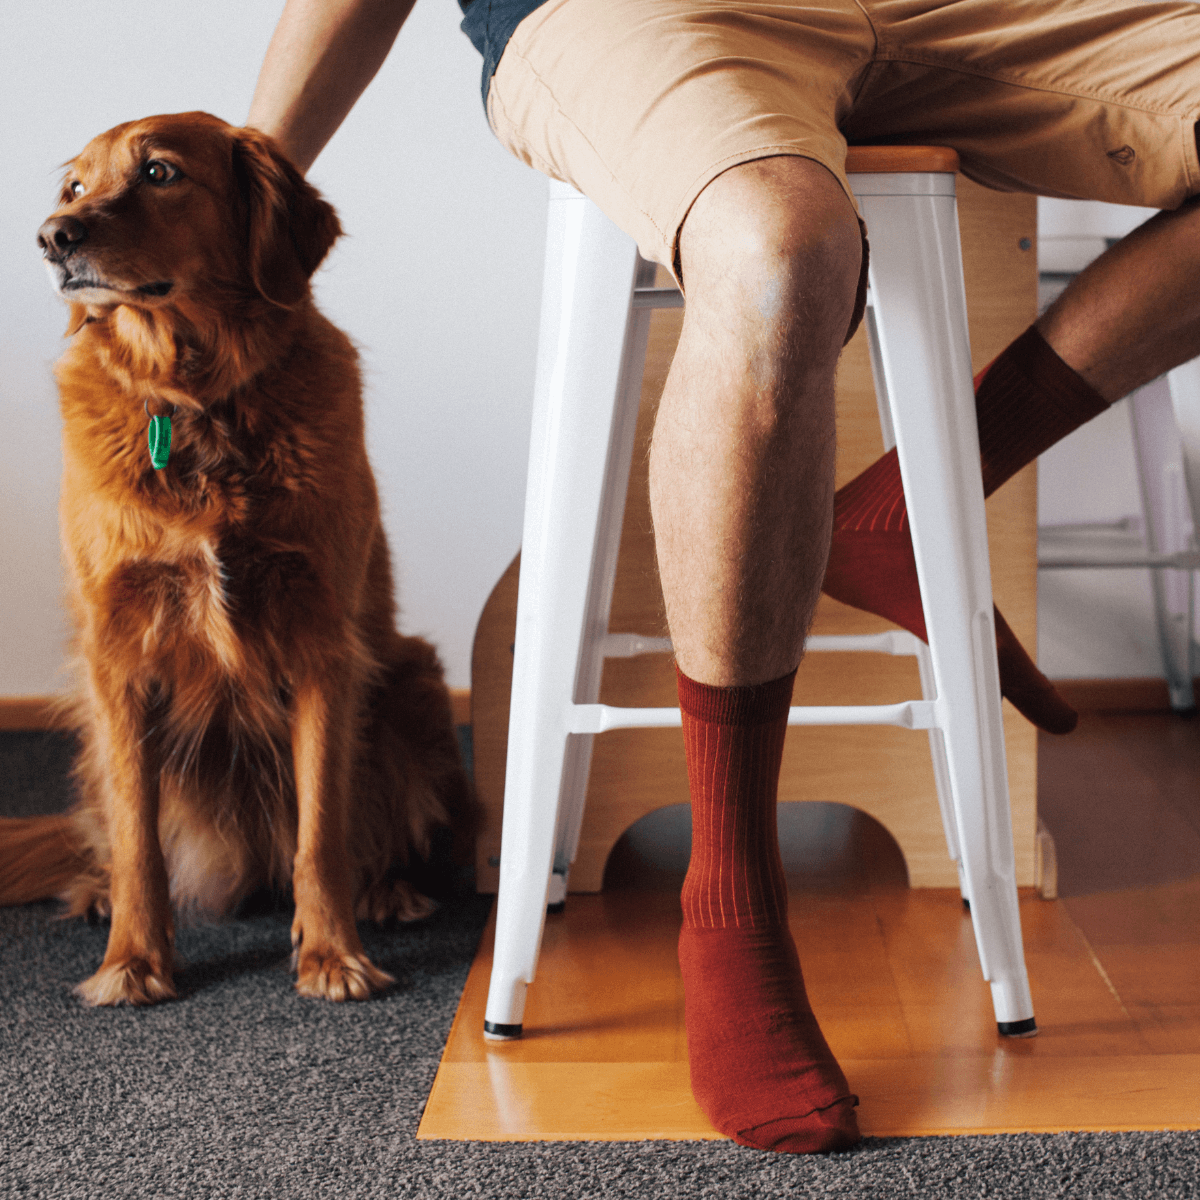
x=177 y=209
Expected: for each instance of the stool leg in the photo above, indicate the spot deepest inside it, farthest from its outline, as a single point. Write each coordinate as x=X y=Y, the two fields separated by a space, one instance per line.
x=600 y=590
x=941 y=773
x=937 y=745
x=920 y=312
x=586 y=309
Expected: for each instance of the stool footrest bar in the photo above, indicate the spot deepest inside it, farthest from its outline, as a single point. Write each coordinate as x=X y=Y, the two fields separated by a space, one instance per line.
x=656 y=297
x=894 y=641
x=911 y=714
x=630 y=645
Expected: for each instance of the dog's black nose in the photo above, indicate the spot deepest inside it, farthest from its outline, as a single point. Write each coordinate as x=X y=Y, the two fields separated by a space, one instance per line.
x=59 y=236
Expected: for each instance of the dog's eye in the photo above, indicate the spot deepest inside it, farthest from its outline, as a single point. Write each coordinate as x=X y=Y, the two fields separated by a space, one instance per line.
x=158 y=172
x=76 y=188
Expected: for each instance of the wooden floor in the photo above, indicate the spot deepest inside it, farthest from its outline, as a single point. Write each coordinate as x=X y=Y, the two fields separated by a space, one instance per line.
x=1114 y=967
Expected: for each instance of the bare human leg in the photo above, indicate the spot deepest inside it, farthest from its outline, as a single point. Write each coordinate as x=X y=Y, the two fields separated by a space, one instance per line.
x=1134 y=312
x=741 y=491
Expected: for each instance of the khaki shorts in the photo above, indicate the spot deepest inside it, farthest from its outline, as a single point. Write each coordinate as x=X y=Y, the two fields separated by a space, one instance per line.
x=641 y=103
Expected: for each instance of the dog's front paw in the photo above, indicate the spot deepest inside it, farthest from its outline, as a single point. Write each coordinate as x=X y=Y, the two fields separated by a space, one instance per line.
x=330 y=975
x=128 y=981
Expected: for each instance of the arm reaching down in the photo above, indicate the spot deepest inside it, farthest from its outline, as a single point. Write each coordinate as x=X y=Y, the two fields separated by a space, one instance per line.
x=322 y=56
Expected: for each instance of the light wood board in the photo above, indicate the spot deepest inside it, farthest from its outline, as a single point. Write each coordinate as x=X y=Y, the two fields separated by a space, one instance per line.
x=895 y=983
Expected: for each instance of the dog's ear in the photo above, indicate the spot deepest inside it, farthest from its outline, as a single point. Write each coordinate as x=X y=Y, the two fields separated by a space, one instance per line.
x=288 y=227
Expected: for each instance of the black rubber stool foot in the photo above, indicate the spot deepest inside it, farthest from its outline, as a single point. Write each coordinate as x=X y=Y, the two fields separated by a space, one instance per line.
x=493 y=1030
x=1021 y=1029
x=561 y=906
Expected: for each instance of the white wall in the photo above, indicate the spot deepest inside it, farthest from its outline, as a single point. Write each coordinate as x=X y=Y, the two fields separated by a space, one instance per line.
x=438 y=282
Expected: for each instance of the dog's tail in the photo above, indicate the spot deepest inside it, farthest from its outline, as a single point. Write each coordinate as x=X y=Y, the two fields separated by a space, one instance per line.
x=40 y=857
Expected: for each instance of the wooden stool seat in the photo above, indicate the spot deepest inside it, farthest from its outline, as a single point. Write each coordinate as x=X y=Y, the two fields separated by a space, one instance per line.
x=888 y=160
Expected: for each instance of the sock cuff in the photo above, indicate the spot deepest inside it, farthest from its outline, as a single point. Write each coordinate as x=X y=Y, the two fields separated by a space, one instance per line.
x=1035 y=358
x=1028 y=399
x=757 y=704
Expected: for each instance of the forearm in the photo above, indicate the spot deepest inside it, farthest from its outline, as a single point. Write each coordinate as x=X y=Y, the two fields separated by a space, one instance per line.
x=320 y=60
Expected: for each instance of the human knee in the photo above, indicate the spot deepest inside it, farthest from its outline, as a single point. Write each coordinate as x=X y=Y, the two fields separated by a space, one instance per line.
x=777 y=242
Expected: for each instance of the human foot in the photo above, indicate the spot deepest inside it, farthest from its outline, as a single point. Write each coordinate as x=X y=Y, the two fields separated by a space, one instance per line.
x=761 y=1069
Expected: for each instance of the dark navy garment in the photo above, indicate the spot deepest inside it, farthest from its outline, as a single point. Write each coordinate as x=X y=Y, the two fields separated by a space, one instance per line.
x=489 y=24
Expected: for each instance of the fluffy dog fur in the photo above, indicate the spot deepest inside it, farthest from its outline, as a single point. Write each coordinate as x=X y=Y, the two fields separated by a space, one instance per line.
x=248 y=713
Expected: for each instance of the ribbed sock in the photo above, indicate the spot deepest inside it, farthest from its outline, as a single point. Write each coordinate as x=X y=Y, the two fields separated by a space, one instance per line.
x=760 y=1067
x=1025 y=402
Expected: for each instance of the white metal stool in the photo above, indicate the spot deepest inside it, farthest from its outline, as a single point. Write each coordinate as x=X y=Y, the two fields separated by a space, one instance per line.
x=596 y=302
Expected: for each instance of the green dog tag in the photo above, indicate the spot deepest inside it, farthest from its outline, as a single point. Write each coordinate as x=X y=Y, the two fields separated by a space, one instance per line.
x=160 y=441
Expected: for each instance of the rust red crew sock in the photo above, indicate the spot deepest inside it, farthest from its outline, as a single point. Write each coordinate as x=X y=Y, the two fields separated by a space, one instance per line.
x=1027 y=400
x=760 y=1067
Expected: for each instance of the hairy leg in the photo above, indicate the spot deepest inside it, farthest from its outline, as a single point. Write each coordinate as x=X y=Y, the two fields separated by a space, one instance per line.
x=1134 y=312
x=741 y=466
x=741 y=487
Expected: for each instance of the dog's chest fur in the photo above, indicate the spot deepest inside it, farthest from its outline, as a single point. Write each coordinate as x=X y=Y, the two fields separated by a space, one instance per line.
x=201 y=571
x=230 y=597
x=210 y=582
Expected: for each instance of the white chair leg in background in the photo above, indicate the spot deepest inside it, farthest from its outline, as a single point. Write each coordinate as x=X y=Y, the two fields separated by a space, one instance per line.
x=1167 y=525
x=1164 y=420
x=1184 y=385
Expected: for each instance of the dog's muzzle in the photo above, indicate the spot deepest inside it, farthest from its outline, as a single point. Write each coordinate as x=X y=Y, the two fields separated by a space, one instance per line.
x=60 y=236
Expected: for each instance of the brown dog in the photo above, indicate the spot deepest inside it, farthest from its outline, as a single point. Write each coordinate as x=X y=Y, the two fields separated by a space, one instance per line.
x=248 y=712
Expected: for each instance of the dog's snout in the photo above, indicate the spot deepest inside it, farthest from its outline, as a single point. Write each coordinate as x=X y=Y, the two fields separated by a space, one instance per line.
x=60 y=235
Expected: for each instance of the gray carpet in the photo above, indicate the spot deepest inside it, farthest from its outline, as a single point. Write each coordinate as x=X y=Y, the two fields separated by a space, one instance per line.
x=240 y=1088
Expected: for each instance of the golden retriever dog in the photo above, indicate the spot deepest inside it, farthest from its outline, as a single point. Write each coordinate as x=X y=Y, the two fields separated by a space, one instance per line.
x=248 y=713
